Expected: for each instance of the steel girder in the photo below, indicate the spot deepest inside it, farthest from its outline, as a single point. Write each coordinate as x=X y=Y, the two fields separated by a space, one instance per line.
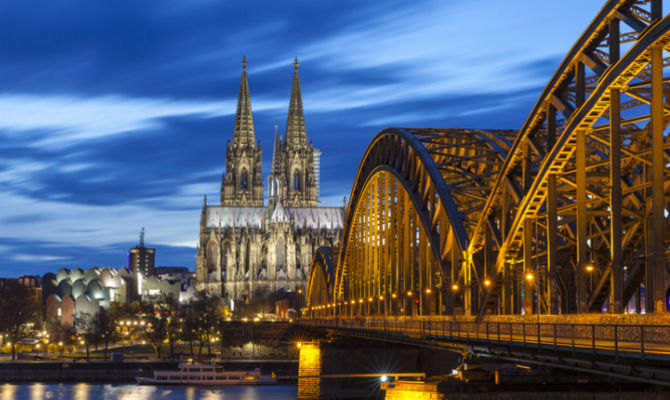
x=573 y=169
x=321 y=280
x=415 y=202
x=569 y=214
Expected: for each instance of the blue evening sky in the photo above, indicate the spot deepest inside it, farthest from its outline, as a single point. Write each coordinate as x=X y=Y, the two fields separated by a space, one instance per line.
x=115 y=114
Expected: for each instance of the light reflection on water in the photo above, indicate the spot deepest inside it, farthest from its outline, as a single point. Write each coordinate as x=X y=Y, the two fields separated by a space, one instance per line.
x=86 y=391
x=309 y=365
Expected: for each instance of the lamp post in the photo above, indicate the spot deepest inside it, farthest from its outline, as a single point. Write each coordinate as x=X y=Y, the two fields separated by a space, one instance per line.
x=298 y=294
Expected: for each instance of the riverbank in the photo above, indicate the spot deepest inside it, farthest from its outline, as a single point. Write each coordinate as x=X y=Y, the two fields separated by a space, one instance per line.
x=118 y=372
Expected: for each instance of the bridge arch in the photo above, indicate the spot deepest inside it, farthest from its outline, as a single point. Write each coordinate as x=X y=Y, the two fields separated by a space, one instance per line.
x=569 y=214
x=412 y=204
x=319 y=295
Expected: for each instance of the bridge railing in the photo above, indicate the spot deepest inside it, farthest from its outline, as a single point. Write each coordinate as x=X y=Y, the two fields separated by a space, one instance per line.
x=639 y=341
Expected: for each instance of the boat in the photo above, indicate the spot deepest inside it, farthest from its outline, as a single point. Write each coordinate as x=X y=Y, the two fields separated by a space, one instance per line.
x=206 y=374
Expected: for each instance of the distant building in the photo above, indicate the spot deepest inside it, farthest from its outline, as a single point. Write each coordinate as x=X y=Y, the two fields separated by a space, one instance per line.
x=249 y=249
x=69 y=294
x=142 y=259
x=32 y=282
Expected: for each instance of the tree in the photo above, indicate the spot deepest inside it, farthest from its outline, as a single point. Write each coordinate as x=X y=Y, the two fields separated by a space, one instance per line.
x=172 y=310
x=18 y=308
x=188 y=320
x=104 y=328
x=83 y=325
x=156 y=332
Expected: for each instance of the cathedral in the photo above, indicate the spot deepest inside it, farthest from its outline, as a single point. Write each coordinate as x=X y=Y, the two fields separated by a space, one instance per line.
x=247 y=248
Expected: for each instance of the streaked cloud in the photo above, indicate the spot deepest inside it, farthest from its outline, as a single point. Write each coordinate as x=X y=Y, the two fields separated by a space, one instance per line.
x=116 y=115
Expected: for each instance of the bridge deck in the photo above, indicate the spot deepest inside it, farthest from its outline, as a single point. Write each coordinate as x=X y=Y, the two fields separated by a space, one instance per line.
x=621 y=340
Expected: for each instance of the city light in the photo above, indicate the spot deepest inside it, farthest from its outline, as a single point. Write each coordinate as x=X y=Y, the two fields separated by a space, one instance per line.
x=589 y=267
x=454 y=287
x=529 y=277
x=487 y=282
x=409 y=293
x=428 y=291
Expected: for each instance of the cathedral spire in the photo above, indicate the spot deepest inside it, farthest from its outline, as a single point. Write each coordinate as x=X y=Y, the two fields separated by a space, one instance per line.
x=243 y=135
x=276 y=168
x=295 y=124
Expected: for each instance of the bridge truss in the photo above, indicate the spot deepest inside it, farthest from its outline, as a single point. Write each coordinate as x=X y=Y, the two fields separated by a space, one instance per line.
x=566 y=215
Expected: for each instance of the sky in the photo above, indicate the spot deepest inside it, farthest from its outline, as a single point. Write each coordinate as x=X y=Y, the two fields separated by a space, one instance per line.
x=115 y=115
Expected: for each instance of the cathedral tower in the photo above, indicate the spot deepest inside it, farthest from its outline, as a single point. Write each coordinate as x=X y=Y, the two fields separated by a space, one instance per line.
x=242 y=183
x=294 y=180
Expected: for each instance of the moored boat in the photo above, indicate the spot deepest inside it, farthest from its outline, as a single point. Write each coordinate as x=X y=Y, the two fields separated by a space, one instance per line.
x=206 y=374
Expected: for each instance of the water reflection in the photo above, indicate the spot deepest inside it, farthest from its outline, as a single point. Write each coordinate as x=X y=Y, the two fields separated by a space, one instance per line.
x=37 y=392
x=87 y=391
x=309 y=386
x=8 y=392
x=82 y=391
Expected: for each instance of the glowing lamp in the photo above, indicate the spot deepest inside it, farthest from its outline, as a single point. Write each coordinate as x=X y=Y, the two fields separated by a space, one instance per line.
x=454 y=287
x=529 y=276
x=428 y=291
x=487 y=282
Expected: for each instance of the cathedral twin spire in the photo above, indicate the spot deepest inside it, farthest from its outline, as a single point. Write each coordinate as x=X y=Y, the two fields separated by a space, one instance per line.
x=243 y=134
x=295 y=124
x=292 y=176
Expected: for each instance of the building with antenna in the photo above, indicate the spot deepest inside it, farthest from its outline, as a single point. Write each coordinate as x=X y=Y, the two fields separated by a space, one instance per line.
x=247 y=248
x=142 y=259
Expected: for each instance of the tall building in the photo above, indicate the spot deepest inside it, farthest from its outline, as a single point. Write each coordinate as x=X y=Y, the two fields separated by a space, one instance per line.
x=246 y=247
x=142 y=259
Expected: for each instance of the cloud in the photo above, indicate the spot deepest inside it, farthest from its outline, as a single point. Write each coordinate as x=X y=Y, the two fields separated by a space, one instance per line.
x=116 y=115
x=70 y=119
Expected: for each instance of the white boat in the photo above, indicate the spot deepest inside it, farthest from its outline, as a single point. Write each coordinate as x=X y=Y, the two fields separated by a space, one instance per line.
x=207 y=374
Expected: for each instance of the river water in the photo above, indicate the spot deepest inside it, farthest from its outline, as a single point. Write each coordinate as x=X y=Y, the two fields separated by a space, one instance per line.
x=88 y=391
x=310 y=387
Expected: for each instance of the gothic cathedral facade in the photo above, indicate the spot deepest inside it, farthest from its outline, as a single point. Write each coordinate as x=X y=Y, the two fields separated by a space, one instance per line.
x=247 y=248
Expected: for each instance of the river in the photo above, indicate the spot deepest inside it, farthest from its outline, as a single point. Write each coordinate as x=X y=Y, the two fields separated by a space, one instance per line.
x=92 y=391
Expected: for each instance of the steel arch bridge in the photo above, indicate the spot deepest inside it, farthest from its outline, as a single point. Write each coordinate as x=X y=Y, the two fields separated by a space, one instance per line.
x=566 y=215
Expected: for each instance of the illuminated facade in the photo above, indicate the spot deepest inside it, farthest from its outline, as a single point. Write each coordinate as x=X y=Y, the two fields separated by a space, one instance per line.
x=247 y=247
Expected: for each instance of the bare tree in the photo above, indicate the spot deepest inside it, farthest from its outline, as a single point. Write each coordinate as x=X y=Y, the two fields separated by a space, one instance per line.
x=18 y=308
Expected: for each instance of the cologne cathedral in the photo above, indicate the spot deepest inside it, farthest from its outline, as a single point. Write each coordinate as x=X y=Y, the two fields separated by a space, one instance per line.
x=248 y=248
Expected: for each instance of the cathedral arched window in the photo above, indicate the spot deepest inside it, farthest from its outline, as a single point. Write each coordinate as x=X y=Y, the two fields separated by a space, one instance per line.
x=296 y=179
x=244 y=179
